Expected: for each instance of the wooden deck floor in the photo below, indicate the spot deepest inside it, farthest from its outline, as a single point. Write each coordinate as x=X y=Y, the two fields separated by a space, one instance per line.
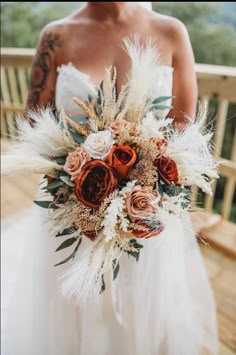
x=18 y=192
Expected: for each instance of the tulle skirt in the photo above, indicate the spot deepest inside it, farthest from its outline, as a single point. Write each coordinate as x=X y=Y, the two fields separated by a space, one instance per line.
x=161 y=305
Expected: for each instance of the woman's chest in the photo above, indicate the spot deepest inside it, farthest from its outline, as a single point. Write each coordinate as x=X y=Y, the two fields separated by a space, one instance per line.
x=93 y=51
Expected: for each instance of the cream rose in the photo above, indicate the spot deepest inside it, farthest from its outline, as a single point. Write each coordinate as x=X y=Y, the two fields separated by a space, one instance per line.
x=98 y=145
x=139 y=203
x=123 y=124
x=75 y=161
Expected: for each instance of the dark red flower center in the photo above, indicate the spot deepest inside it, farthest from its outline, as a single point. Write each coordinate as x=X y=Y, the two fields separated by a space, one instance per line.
x=94 y=186
x=122 y=156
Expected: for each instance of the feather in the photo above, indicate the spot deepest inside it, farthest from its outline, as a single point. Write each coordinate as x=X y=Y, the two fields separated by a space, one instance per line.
x=195 y=161
x=26 y=162
x=143 y=60
x=34 y=146
x=151 y=127
x=45 y=137
x=81 y=280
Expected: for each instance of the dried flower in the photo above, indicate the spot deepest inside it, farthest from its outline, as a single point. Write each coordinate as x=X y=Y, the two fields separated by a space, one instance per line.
x=116 y=126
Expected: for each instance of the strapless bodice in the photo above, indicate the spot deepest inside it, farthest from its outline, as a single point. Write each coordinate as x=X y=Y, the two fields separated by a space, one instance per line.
x=73 y=82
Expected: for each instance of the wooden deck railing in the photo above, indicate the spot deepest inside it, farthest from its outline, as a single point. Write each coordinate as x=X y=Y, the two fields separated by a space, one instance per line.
x=215 y=82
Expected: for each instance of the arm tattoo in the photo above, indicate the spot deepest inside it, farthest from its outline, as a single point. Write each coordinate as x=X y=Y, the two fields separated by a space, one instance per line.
x=41 y=67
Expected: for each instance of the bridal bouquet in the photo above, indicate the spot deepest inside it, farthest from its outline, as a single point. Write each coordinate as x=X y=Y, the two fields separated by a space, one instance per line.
x=113 y=174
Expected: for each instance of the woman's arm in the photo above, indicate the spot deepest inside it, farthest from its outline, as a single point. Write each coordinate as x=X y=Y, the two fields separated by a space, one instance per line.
x=184 y=79
x=43 y=71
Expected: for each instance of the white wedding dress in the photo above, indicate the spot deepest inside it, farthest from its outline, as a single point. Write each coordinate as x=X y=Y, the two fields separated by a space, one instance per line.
x=160 y=305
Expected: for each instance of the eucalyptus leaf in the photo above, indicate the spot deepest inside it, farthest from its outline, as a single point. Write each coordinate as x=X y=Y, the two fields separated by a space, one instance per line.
x=54 y=185
x=80 y=119
x=162 y=99
x=99 y=98
x=162 y=107
x=101 y=86
x=173 y=190
x=76 y=135
x=67 y=243
x=66 y=179
x=116 y=268
x=151 y=224
x=160 y=189
x=90 y=98
x=134 y=254
x=72 y=255
x=66 y=231
x=103 y=287
x=135 y=244
x=60 y=160
x=45 y=204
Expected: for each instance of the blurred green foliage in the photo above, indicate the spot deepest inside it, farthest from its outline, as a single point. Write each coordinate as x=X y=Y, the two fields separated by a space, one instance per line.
x=211 y=27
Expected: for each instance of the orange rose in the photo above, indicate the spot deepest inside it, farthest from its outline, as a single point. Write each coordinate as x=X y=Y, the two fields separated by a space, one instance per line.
x=167 y=170
x=95 y=182
x=151 y=232
x=121 y=158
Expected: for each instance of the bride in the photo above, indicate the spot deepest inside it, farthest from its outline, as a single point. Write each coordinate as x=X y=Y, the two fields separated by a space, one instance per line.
x=162 y=305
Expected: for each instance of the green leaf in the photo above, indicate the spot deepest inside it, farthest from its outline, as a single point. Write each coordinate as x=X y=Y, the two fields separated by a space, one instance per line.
x=101 y=86
x=162 y=99
x=66 y=179
x=76 y=136
x=136 y=245
x=173 y=190
x=160 y=189
x=116 y=268
x=90 y=98
x=67 y=243
x=54 y=185
x=66 y=231
x=80 y=119
x=99 y=98
x=151 y=224
x=45 y=204
x=103 y=287
x=62 y=126
x=72 y=255
x=60 y=160
x=162 y=107
x=135 y=254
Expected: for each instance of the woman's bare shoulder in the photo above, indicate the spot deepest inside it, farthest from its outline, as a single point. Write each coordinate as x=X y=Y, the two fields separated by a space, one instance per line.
x=172 y=28
x=63 y=26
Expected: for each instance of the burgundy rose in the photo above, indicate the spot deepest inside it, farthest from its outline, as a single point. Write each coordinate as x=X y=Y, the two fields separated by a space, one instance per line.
x=167 y=170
